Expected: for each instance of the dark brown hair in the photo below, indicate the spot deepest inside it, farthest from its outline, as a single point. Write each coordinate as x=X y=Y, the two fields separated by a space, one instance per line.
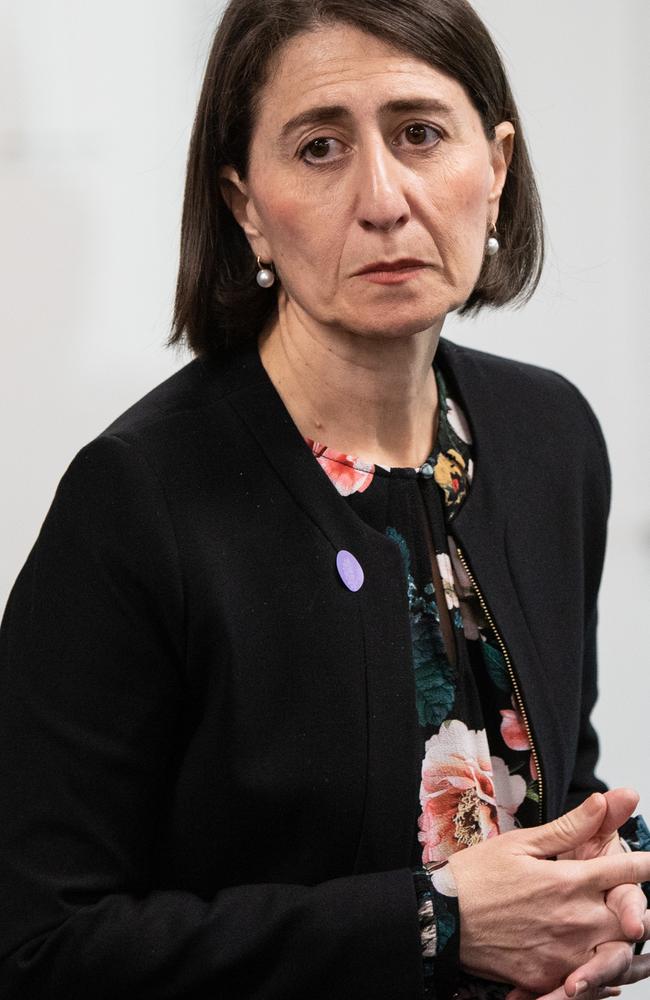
x=218 y=302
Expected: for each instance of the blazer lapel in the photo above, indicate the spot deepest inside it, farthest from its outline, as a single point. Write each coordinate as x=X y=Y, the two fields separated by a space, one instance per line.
x=482 y=531
x=384 y=652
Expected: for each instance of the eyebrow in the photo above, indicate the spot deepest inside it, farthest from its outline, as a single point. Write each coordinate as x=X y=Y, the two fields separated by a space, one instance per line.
x=324 y=113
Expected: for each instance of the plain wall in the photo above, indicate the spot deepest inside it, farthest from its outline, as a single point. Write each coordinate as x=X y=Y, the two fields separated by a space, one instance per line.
x=94 y=128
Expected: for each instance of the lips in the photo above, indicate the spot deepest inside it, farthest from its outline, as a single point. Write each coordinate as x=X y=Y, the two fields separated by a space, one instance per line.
x=392 y=265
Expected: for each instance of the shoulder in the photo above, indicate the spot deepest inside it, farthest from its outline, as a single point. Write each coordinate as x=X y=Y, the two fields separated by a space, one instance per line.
x=529 y=397
x=181 y=429
x=189 y=410
x=519 y=382
x=201 y=384
x=533 y=415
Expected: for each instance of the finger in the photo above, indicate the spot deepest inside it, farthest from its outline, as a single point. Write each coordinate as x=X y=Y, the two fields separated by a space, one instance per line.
x=646 y=928
x=638 y=970
x=567 y=831
x=606 y=968
x=621 y=803
x=602 y=991
x=615 y=869
x=629 y=904
x=560 y=994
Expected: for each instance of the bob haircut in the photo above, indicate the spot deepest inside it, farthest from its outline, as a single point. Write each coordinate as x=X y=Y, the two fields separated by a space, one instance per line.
x=218 y=302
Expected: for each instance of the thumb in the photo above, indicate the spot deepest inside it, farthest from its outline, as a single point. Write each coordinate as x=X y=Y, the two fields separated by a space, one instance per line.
x=567 y=831
x=621 y=803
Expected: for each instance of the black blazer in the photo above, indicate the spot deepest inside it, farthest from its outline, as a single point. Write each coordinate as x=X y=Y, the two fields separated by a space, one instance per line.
x=209 y=780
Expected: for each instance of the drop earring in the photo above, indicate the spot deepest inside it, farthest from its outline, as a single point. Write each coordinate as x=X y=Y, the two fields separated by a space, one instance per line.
x=265 y=277
x=492 y=246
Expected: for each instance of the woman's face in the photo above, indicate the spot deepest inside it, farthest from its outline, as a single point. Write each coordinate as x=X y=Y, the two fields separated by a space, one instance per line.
x=363 y=155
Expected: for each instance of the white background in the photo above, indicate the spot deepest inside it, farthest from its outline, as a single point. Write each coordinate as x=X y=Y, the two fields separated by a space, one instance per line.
x=98 y=101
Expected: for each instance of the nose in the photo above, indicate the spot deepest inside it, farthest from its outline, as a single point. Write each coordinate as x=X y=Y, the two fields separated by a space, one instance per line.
x=381 y=197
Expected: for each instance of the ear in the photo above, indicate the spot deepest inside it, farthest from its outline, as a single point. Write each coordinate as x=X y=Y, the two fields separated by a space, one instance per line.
x=501 y=149
x=237 y=197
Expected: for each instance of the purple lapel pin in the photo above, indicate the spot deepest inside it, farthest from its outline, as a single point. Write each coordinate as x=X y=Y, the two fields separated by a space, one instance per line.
x=349 y=569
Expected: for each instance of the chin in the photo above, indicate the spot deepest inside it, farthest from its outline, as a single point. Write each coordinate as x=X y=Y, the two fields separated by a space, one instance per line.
x=391 y=324
x=403 y=315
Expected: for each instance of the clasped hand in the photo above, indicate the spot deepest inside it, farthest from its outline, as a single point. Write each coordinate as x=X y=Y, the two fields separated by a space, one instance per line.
x=558 y=923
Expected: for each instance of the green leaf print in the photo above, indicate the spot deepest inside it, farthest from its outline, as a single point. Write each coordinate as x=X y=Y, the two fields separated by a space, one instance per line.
x=395 y=536
x=435 y=692
x=496 y=667
x=445 y=922
x=434 y=678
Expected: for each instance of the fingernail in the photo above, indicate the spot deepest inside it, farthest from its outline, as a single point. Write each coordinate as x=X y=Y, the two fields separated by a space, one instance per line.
x=581 y=987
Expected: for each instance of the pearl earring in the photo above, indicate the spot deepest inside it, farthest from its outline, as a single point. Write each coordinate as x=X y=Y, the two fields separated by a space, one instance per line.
x=265 y=277
x=492 y=246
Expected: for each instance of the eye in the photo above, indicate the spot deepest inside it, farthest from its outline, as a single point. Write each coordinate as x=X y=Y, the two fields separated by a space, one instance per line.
x=419 y=134
x=322 y=149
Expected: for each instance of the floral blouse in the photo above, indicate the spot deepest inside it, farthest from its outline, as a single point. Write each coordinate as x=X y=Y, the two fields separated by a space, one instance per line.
x=479 y=774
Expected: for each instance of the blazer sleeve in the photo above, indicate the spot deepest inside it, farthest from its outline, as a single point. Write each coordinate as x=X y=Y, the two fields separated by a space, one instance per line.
x=584 y=780
x=91 y=677
x=596 y=503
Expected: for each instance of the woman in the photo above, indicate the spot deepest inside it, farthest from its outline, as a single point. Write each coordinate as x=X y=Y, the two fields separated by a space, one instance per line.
x=291 y=700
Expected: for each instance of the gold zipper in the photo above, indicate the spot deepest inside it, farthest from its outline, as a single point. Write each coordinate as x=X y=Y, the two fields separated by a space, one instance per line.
x=513 y=678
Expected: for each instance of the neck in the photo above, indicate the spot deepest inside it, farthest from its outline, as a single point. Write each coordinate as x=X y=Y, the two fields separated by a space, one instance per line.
x=370 y=396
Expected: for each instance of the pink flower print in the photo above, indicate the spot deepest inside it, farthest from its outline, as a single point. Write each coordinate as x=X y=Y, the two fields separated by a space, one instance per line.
x=514 y=735
x=513 y=730
x=457 y=792
x=510 y=791
x=466 y=796
x=347 y=473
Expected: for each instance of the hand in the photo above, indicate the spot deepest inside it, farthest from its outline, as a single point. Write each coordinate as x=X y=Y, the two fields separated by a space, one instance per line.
x=614 y=963
x=637 y=970
x=628 y=902
x=613 y=957
x=508 y=891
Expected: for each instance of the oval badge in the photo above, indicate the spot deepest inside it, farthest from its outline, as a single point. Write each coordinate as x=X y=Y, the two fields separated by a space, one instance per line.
x=349 y=569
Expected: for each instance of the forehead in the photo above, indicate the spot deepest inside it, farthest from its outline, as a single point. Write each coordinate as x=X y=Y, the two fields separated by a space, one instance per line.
x=340 y=64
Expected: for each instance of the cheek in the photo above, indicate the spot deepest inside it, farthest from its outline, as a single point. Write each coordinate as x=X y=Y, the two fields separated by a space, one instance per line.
x=302 y=229
x=463 y=205
x=460 y=210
